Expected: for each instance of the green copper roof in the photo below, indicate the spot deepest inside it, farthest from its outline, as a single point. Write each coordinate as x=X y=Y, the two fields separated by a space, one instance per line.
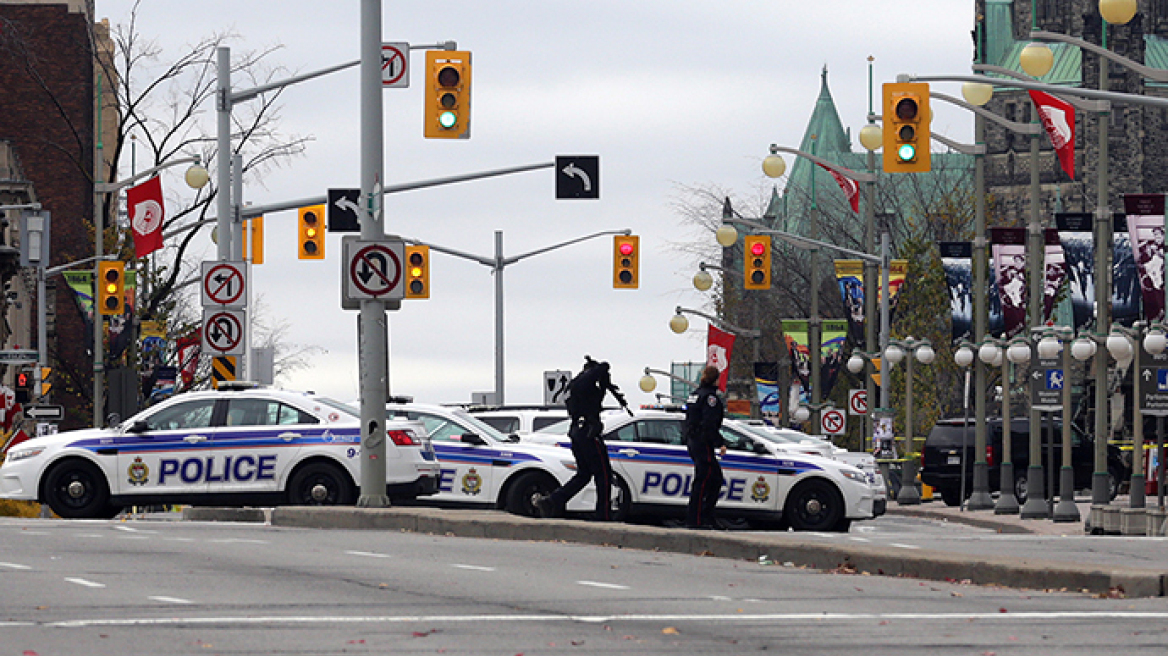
x=1067 y=68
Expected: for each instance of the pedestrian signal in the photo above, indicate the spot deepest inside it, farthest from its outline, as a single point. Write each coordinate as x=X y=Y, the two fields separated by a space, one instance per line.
x=625 y=261
x=757 y=262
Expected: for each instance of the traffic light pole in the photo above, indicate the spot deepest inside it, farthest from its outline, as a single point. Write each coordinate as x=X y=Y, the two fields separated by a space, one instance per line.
x=497 y=264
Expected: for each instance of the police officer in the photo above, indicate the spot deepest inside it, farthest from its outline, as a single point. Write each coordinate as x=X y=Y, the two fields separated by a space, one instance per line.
x=585 y=399
x=703 y=435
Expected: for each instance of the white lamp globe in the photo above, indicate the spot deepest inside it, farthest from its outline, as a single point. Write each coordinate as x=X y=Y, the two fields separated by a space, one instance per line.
x=894 y=354
x=647 y=383
x=802 y=413
x=987 y=353
x=1155 y=343
x=1049 y=347
x=926 y=354
x=977 y=93
x=702 y=280
x=1119 y=347
x=1018 y=353
x=727 y=235
x=197 y=176
x=1082 y=349
x=871 y=137
x=679 y=324
x=998 y=357
x=1117 y=12
x=855 y=364
x=774 y=166
x=963 y=357
x=1036 y=59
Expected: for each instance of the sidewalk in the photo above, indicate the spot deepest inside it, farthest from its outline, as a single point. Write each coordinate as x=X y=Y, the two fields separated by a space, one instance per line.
x=1013 y=523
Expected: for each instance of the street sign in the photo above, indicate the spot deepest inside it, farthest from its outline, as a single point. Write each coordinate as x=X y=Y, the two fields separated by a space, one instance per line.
x=833 y=421
x=373 y=269
x=45 y=412
x=395 y=65
x=858 y=402
x=555 y=387
x=1047 y=379
x=344 y=210
x=18 y=356
x=224 y=284
x=223 y=331
x=577 y=176
x=1153 y=373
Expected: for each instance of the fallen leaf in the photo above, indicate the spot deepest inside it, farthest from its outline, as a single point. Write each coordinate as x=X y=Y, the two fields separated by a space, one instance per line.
x=1003 y=610
x=669 y=630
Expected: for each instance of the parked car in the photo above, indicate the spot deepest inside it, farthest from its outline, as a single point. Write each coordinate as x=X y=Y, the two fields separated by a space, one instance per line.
x=943 y=455
x=517 y=420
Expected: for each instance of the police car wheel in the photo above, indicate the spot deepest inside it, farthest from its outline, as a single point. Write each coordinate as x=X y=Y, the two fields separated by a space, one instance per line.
x=622 y=501
x=77 y=489
x=321 y=484
x=814 y=505
x=522 y=492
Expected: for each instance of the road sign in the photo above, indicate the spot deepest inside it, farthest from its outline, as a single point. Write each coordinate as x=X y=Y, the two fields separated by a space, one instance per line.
x=857 y=402
x=18 y=356
x=395 y=65
x=555 y=387
x=224 y=284
x=45 y=412
x=1153 y=372
x=577 y=176
x=373 y=270
x=344 y=210
x=223 y=331
x=1047 y=379
x=833 y=421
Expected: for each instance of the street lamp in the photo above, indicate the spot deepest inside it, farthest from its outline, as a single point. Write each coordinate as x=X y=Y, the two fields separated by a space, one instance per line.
x=648 y=383
x=908 y=349
x=1050 y=344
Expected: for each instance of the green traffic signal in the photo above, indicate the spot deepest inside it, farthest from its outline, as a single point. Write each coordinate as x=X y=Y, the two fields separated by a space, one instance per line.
x=447 y=119
x=906 y=152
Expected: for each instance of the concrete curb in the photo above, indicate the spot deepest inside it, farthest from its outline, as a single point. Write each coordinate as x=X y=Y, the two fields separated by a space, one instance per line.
x=783 y=548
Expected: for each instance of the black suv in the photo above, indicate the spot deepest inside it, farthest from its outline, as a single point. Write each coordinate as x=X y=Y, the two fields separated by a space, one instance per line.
x=941 y=457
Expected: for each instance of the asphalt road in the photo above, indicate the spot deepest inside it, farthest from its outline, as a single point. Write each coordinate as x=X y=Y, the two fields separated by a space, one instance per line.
x=123 y=587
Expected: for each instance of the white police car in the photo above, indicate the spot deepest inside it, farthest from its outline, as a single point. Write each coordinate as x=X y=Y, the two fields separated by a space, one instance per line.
x=518 y=419
x=766 y=487
x=485 y=468
x=230 y=447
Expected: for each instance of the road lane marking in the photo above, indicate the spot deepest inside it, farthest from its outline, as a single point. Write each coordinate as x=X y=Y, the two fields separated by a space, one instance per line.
x=903 y=546
x=88 y=584
x=368 y=554
x=14 y=566
x=854 y=539
x=171 y=600
x=237 y=541
x=597 y=584
x=474 y=568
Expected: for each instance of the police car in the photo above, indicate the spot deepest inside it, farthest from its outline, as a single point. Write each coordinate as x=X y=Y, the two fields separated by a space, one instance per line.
x=519 y=419
x=482 y=467
x=229 y=447
x=764 y=486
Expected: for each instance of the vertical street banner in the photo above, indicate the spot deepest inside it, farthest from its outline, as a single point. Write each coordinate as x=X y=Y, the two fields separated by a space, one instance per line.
x=1145 y=228
x=1056 y=273
x=849 y=186
x=1078 y=242
x=831 y=353
x=1058 y=118
x=81 y=284
x=719 y=346
x=147 y=214
x=850 y=276
x=1125 y=280
x=187 y=350
x=957 y=262
x=795 y=333
x=766 y=382
x=1009 y=253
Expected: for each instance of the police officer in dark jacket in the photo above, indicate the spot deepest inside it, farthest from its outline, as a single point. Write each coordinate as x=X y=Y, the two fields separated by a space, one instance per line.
x=585 y=400
x=703 y=436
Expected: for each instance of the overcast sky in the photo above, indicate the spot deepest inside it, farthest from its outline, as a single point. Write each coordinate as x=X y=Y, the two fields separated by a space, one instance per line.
x=669 y=94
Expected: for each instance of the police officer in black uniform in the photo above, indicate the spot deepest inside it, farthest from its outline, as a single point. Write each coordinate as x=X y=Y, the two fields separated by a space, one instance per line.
x=703 y=436
x=585 y=400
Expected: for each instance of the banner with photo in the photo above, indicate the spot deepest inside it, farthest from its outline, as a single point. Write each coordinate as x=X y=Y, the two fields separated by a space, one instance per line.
x=850 y=276
x=1008 y=247
x=1056 y=273
x=957 y=262
x=1145 y=227
x=795 y=334
x=1125 y=279
x=1078 y=242
x=831 y=353
x=766 y=382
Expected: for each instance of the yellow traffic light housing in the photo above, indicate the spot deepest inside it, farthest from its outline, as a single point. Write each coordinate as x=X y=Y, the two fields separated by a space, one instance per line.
x=906 y=117
x=626 y=256
x=447 y=109
x=255 y=228
x=310 y=245
x=417 y=272
x=757 y=262
x=111 y=286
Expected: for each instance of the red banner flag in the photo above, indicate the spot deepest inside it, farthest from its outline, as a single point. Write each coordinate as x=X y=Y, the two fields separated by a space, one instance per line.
x=719 y=345
x=849 y=187
x=1058 y=117
x=189 y=349
x=146 y=215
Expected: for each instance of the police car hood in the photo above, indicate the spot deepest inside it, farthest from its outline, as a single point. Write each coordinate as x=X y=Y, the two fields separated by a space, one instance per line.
x=70 y=437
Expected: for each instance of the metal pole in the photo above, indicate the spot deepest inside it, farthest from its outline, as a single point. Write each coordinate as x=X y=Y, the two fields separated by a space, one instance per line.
x=238 y=255
x=99 y=245
x=980 y=498
x=223 y=154
x=1007 y=501
x=499 y=377
x=885 y=320
x=869 y=301
x=964 y=438
x=1035 y=506
x=908 y=495
x=1137 y=498
x=1066 y=510
x=815 y=328
x=374 y=331
x=1099 y=484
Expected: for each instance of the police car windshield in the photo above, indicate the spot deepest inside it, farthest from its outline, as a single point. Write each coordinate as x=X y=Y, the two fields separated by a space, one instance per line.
x=770 y=435
x=349 y=410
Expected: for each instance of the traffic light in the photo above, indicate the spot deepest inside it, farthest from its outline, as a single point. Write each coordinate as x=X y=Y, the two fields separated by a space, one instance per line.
x=906 y=127
x=255 y=228
x=311 y=238
x=447 y=100
x=625 y=261
x=757 y=262
x=417 y=272
x=23 y=386
x=111 y=285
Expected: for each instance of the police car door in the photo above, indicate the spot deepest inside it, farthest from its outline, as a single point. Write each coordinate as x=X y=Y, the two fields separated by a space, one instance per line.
x=167 y=451
x=649 y=453
x=750 y=477
x=258 y=444
x=467 y=468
